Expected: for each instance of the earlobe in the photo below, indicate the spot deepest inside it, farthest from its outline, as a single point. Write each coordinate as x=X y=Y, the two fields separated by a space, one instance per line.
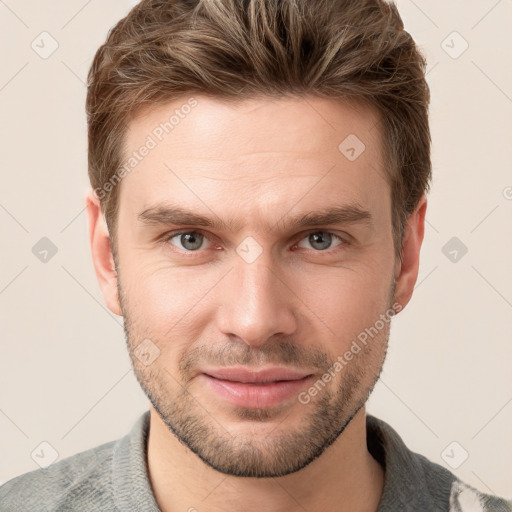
x=101 y=252
x=407 y=271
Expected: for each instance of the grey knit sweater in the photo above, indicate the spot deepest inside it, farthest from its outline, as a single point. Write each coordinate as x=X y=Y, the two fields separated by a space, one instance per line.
x=114 y=477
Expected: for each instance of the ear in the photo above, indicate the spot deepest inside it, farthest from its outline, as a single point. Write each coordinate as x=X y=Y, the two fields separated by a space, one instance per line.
x=101 y=250
x=406 y=272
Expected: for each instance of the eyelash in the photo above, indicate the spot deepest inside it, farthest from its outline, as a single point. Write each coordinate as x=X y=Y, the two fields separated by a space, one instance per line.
x=168 y=236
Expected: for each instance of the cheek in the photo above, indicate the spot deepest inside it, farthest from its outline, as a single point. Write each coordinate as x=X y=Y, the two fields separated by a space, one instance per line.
x=164 y=307
x=167 y=300
x=344 y=302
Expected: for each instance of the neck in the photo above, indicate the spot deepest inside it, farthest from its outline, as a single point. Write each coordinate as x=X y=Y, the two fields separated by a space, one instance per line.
x=344 y=478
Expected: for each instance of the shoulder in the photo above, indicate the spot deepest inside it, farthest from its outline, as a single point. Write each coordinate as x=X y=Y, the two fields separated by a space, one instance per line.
x=413 y=482
x=79 y=482
x=463 y=498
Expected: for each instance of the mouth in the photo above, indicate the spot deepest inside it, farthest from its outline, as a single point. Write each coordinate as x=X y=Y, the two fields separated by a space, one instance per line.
x=256 y=390
x=262 y=376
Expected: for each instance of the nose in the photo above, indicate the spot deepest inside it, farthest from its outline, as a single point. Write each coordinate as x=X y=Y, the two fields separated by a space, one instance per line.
x=257 y=303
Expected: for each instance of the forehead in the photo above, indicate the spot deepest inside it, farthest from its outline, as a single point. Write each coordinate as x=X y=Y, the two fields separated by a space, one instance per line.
x=290 y=123
x=260 y=154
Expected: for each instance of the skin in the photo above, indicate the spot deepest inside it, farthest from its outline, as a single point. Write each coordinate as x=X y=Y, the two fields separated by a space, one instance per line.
x=300 y=304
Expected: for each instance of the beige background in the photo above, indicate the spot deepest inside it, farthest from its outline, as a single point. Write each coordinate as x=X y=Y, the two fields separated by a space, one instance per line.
x=65 y=377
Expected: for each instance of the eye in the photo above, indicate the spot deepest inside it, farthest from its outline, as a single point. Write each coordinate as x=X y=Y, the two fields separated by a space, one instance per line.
x=321 y=240
x=190 y=241
x=193 y=241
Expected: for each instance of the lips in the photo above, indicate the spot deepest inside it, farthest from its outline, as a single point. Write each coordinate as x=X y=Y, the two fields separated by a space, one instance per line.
x=267 y=375
x=261 y=389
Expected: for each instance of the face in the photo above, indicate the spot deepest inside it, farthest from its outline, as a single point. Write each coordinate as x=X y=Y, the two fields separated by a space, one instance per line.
x=248 y=238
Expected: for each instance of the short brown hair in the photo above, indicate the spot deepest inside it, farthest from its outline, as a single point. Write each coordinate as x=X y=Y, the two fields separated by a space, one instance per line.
x=237 y=49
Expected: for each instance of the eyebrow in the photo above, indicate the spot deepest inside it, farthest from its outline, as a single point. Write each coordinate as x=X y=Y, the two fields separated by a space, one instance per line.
x=166 y=214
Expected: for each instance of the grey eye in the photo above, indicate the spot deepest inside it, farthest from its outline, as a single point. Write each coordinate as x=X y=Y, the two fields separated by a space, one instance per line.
x=190 y=241
x=320 y=240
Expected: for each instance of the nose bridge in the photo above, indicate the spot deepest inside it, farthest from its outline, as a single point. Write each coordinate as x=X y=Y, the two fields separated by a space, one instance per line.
x=258 y=284
x=258 y=304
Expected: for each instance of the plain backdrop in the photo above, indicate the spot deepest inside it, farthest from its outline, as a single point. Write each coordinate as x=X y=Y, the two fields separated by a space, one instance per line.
x=65 y=376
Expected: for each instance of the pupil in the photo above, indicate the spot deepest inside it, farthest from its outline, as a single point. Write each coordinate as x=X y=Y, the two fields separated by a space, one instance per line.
x=190 y=238
x=319 y=238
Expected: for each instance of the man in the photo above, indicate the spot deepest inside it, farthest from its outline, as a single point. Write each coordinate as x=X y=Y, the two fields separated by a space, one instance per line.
x=259 y=172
